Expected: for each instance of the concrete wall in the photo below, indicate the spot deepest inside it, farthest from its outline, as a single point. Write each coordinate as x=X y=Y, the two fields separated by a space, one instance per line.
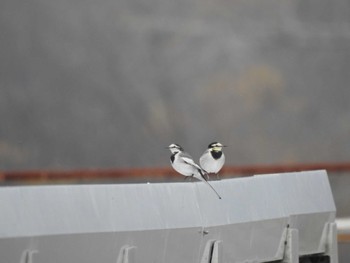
x=168 y=222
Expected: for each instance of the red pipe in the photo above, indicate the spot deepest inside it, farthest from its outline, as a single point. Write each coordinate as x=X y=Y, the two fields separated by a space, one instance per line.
x=164 y=173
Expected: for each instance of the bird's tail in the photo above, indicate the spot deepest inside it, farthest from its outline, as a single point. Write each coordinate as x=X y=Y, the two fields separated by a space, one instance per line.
x=202 y=178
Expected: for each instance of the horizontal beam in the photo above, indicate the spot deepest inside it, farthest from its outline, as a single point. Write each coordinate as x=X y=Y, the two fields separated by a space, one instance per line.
x=164 y=173
x=344 y=238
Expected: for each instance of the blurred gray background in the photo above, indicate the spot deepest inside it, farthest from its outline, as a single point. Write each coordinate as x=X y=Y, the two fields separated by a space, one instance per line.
x=105 y=84
x=110 y=83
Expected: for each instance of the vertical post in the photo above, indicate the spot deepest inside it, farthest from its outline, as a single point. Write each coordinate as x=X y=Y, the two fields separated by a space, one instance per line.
x=291 y=252
x=332 y=243
x=212 y=252
x=126 y=254
x=27 y=256
x=216 y=256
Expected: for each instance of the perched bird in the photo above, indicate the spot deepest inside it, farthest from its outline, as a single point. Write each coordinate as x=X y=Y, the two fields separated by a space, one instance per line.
x=213 y=158
x=183 y=163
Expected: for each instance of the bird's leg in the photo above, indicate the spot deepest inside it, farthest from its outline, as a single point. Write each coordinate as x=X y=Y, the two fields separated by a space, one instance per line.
x=218 y=177
x=207 y=174
x=189 y=178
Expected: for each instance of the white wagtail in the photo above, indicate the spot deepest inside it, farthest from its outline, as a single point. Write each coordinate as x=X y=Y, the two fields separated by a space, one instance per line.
x=183 y=163
x=213 y=158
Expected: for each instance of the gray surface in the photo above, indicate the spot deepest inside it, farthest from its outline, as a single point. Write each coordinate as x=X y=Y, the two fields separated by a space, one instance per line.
x=164 y=221
x=344 y=255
